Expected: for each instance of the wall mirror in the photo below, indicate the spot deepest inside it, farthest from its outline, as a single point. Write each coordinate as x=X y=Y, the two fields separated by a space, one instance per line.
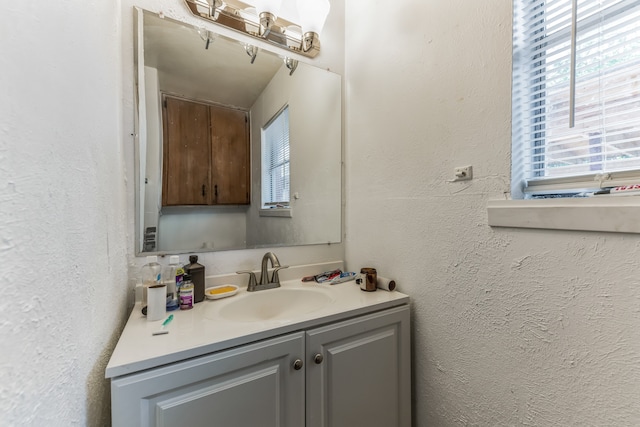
x=175 y=59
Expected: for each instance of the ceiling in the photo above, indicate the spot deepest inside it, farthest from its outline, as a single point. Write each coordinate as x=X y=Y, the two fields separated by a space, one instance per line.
x=222 y=72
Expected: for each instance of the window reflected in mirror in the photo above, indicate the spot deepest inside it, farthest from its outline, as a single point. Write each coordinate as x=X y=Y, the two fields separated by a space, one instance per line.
x=275 y=162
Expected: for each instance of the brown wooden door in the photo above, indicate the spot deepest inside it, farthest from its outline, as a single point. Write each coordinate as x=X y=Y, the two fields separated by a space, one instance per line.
x=230 y=156
x=186 y=176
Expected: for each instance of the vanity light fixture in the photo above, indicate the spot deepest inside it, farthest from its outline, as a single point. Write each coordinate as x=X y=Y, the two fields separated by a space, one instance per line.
x=252 y=51
x=312 y=15
x=207 y=36
x=268 y=11
x=214 y=5
x=260 y=19
x=291 y=64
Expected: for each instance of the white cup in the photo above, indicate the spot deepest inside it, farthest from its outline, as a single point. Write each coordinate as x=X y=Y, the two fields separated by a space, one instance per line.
x=156 y=302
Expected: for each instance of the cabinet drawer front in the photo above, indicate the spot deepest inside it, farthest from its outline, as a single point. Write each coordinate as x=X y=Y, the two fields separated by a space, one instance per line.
x=359 y=373
x=253 y=385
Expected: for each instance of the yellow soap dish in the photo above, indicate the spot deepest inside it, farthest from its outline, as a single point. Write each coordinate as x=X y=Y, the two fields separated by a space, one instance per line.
x=222 y=291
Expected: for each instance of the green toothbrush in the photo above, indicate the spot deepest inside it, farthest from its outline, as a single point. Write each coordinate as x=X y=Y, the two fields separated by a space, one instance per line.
x=162 y=331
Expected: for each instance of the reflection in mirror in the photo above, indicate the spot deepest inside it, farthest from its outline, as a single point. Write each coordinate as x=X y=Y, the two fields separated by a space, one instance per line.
x=177 y=61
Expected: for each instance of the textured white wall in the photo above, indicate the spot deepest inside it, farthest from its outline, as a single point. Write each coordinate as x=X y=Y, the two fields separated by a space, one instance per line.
x=315 y=117
x=67 y=205
x=511 y=327
x=63 y=248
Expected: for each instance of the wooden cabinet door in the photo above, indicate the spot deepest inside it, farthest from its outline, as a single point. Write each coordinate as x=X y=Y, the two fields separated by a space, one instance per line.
x=186 y=176
x=252 y=385
x=363 y=376
x=230 y=156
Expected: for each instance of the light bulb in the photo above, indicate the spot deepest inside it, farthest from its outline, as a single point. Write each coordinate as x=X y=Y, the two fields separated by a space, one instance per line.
x=313 y=14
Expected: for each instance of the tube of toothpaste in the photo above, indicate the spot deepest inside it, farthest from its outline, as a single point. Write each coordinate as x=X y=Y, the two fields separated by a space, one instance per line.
x=323 y=277
x=328 y=276
x=344 y=277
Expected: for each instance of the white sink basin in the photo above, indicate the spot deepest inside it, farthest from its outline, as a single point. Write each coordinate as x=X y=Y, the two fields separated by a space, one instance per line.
x=274 y=304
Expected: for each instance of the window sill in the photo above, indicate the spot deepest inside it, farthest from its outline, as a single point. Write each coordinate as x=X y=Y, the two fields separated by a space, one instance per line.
x=281 y=212
x=607 y=213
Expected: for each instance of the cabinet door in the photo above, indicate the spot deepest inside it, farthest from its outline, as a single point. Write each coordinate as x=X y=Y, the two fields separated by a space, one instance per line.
x=230 y=156
x=186 y=153
x=252 y=385
x=363 y=378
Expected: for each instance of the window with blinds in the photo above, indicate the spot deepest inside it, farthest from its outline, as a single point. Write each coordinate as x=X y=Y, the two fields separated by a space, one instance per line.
x=275 y=161
x=576 y=96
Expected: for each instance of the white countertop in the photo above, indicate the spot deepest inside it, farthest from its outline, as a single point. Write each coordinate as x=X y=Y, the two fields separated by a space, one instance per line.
x=203 y=330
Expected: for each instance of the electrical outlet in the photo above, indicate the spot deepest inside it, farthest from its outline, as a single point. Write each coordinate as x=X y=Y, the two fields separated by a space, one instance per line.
x=463 y=173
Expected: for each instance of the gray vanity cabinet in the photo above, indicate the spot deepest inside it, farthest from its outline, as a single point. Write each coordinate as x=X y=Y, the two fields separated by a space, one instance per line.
x=350 y=373
x=359 y=372
x=252 y=385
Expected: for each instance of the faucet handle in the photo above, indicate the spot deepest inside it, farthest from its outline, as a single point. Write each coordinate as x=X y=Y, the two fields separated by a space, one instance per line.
x=252 y=279
x=275 y=278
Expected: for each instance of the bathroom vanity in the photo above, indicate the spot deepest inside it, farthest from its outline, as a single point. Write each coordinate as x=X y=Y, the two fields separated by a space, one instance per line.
x=304 y=354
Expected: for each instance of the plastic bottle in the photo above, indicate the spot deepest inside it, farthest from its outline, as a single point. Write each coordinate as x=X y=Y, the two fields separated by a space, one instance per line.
x=179 y=279
x=169 y=279
x=186 y=293
x=151 y=275
x=196 y=271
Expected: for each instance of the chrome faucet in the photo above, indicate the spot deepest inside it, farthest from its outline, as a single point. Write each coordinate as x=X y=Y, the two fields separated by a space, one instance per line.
x=265 y=282
x=264 y=273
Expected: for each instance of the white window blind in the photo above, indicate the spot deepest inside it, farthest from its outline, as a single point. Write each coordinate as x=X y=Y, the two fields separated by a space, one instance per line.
x=602 y=148
x=275 y=161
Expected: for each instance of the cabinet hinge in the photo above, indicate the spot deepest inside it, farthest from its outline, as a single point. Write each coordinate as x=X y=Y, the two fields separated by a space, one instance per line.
x=164 y=103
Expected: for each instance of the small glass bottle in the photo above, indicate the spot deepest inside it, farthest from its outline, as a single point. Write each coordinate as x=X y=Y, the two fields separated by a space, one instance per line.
x=196 y=271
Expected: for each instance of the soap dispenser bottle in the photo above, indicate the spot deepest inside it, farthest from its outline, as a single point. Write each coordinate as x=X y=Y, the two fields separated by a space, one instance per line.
x=196 y=271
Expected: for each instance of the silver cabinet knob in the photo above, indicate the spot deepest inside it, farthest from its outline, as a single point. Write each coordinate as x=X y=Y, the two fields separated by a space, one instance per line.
x=297 y=365
x=318 y=358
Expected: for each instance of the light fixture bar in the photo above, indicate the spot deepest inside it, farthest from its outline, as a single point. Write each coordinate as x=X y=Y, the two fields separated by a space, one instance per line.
x=234 y=15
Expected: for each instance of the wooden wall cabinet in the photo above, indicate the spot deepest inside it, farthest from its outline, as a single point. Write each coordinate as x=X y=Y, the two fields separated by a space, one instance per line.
x=205 y=154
